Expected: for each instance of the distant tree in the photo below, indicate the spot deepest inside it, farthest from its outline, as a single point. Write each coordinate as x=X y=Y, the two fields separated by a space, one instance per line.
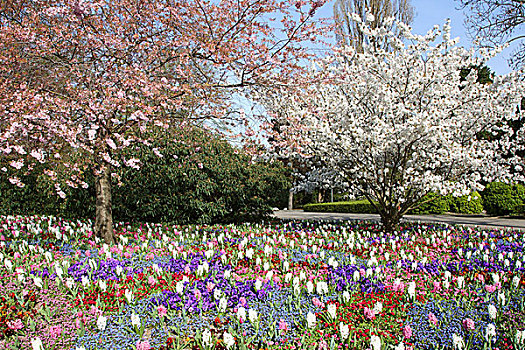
x=495 y=22
x=348 y=31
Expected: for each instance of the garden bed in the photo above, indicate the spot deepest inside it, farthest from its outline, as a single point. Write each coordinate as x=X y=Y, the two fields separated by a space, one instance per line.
x=285 y=285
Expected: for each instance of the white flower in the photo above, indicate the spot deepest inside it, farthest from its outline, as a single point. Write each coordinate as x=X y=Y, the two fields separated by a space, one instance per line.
x=310 y=319
x=310 y=287
x=70 y=282
x=412 y=289
x=375 y=342
x=135 y=320
x=252 y=315
x=9 y=265
x=457 y=342
x=223 y=304
x=520 y=337
x=37 y=281
x=501 y=298
x=400 y=346
x=460 y=281
x=228 y=340
x=346 y=296
x=129 y=295
x=356 y=275
x=490 y=332
x=37 y=344
x=241 y=314
x=378 y=307
x=85 y=281
x=516 y=281
x=493 y=312
x=332 y=309
x=179 y=287
x=258 y=285
x=80 y=348
x=101 y=322
x=344 y=330
x=322 y=288
x=206 y=337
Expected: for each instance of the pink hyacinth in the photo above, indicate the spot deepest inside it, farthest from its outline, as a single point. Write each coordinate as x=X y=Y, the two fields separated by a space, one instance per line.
x=15 y=325
x=468 y=324
x=143 y=345
x=490 y=288
x=369 y=314
x=55 y=331
x=162 y=311
x=407 y=331
x=432 y=319
x=242 y=301
x=151 y=280
x=317 y=302
x=283 y=326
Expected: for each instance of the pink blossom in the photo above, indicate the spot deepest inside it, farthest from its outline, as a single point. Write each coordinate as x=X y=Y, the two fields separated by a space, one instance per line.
x=242 y=301
x=55 y=331
x=151 y=280
x=143 y=345
x=407 y=331
x=283 y=326
x=210 y=286
x=468 y=324
x=15 y=325
x=162 y=310
x=369 y=314
x=317 y=302
x=432 y=319
x=437 y=286
x=489 y=288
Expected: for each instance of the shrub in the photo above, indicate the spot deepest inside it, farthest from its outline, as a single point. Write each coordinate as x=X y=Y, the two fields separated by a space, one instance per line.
x=201 y=178
x=437 y=205
x=360 y=206
x=469 y=204
x=502 y=199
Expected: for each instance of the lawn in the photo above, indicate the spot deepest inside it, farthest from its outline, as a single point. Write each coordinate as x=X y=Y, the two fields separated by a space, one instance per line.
x=278 y=285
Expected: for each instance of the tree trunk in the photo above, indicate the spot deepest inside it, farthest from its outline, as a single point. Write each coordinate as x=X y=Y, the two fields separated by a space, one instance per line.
x=390 y=221
x=290 y=200
x=104 y=214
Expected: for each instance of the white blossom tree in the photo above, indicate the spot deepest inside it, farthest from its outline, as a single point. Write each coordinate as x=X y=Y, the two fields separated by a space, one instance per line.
x=401 y=123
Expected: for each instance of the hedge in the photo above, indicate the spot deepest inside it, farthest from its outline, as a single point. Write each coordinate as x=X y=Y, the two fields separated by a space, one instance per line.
x=360 y=206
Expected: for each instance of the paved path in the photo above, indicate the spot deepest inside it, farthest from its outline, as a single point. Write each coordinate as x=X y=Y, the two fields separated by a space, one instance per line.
x=468 y=220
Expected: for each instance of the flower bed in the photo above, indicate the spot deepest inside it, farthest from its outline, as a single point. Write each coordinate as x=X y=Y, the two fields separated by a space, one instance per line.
x=291 y=285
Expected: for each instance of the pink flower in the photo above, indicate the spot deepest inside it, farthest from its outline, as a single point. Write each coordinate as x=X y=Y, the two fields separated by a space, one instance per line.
x=362 y=272
x=283 y=326
x=407 y=331
x=162 y=310
x=323 y=345
x=432 y=318
x=55 y=331
x=490 y=288
x=16 y=255
x=151 y=280
x=369 y=314
x=437 y=286
x=143 y=345
x=210 y=286
x=15 y=325
x=317 y=302
x=468 y=324
x=242 y=301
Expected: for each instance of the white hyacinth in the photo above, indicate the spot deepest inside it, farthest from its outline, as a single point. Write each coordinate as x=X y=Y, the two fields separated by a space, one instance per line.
x=375 y=342
x=223 y=304
x=135 y=320
x=252 y=315
x=36 y=344
x=206 y=337
x=490 y=332
x=344 y=330
x=346 y=296
x=310 y=287
x=241 y=314
x=332 y=310
x=457 y=342
x=228 y=340
x=310 y=319
x=101 y=322
x=493 y=312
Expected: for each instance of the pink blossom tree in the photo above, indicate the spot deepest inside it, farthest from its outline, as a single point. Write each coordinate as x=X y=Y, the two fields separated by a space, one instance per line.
x=81 y=80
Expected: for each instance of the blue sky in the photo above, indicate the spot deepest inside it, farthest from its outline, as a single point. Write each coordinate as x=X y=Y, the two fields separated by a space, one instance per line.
x=431 y=12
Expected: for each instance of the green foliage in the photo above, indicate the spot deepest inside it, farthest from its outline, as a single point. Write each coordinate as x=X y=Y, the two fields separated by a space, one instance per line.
x=360 y=206
x=502 y=199
x=469 y=204
x=200 y=179
x=432 y=203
